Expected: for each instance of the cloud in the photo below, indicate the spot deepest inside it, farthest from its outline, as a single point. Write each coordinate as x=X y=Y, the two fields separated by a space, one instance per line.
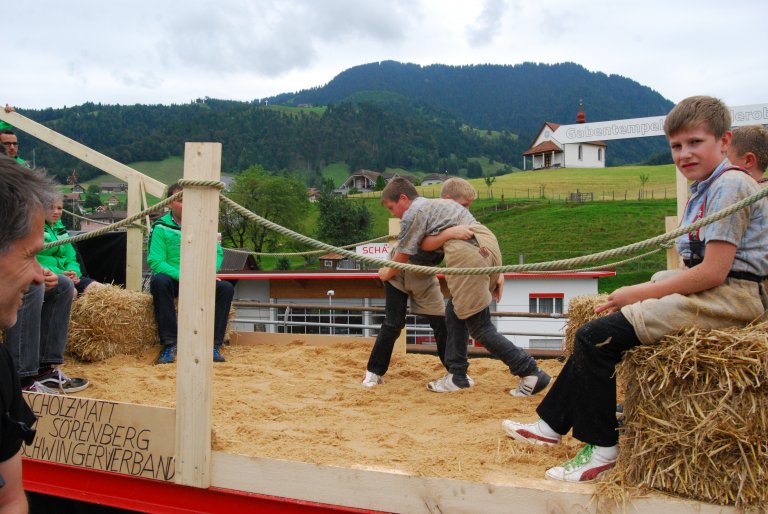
x=272 y=37
x=488 y=23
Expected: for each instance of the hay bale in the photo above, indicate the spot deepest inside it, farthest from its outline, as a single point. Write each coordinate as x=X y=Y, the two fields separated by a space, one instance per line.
x=110 y=320
x=581 y=309
x=697 y=417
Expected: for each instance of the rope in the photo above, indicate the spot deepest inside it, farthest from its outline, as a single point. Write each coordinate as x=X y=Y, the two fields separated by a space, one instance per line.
x=129 y=220
x=311 y=252
x=73 y=214
x=216 y=184
x=551 y=266
x=538 y=267
x=109 y=228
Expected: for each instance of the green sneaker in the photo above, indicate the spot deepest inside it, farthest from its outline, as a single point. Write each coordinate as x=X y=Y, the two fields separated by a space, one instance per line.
x=586 y=466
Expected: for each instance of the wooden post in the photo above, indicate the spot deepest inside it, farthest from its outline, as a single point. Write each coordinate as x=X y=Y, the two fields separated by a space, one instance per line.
x=673 y=258
x=197 y=289
x=135 y=237
x=394 y=230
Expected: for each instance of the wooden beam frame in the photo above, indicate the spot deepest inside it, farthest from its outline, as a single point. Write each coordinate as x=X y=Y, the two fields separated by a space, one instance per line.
x=82 y=152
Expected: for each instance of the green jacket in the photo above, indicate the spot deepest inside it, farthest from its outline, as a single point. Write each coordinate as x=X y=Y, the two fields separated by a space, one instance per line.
x=59 y=258
x=164 y=255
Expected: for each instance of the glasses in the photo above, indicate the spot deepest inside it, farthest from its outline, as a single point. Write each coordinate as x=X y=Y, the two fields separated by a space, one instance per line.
x=10 y=143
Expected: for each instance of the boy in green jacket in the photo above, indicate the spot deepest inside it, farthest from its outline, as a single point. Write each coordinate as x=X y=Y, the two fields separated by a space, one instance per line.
x=164 y=258
x=62 y=259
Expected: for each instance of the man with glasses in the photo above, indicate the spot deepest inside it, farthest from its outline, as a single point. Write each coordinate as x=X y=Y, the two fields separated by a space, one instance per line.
x=11 y=144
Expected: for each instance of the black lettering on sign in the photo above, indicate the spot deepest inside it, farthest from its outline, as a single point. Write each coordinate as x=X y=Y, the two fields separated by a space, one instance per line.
x=136 y=440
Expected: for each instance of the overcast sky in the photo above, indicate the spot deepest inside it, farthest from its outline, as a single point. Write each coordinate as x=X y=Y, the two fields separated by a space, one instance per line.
x=163 y=51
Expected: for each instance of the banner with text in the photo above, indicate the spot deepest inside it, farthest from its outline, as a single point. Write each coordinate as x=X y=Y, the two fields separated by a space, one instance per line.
x=756 y=114
x=377 y=250
x=136 y=440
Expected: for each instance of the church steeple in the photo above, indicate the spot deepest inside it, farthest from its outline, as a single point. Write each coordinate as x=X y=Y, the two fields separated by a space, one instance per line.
x=581 y=117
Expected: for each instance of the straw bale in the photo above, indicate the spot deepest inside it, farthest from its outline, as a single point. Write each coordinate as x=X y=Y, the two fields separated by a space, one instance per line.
x=581 y=309
x=696 y=423
x=112 y=321
x=109 y=321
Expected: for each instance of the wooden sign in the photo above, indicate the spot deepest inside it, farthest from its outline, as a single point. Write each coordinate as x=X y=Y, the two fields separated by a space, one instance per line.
x=135 y=440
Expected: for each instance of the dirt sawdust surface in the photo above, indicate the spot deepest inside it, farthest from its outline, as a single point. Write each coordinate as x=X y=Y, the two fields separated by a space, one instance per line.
x=305 y=403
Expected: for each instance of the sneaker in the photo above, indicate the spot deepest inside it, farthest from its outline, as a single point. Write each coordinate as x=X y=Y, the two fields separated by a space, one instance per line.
x=217 y=356
x=531 y=384
x=586 y=466
x=56 y=379
x=447 y=385
x=529 y=433
x=167 y=355
x=372 y=379
x=37 y=387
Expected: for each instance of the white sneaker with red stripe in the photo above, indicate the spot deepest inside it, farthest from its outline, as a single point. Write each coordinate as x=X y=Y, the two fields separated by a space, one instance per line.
x=372 y=379
x=586 y=466
x=533 y=433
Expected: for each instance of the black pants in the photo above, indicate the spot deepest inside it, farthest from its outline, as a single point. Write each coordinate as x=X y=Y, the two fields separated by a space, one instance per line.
x=482 y=330
x=583 y=397
x=164 y=290
x=395 y=309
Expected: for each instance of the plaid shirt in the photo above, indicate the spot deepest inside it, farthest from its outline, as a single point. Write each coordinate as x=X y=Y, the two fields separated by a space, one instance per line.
x=745 y=229
x=428 y=218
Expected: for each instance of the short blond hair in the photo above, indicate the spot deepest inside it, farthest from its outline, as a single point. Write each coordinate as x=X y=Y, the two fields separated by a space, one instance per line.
x=458 y=189
x=752 y=138
x=696 y=111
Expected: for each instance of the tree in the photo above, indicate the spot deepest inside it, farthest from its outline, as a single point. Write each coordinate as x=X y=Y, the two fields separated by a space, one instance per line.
x=91 y=200
x=281 y=200
x=474 y=170
x=489 y=180
x=234 y=228
x=380 y=183
x=283 y=263
x=93 y=189
x=644 y=178
x=342 y=220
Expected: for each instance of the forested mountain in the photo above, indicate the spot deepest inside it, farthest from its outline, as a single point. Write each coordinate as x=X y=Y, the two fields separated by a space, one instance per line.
x=503 y=97
x=379 y=115
x=364 y=135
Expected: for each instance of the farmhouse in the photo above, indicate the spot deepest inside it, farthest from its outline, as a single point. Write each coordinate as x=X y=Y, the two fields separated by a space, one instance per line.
x=434 y=178
x=547 y=152
x=364 y=181
x=98 y=219
x=114 y=187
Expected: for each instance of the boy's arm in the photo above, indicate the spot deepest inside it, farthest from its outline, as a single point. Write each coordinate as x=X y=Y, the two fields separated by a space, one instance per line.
x=430 y=243
x=712 y=272
x=386 y=273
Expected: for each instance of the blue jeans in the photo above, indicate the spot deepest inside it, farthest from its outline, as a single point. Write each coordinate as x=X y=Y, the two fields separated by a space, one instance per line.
x=395 y=309
x=40 y=334
x=164 y=290
x=479 y=326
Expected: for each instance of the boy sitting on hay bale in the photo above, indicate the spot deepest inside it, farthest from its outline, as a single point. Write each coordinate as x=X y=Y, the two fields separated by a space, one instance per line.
x=164 y=257
x=725 y=263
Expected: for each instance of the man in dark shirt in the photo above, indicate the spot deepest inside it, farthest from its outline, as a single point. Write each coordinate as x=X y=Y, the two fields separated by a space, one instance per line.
x=24 y=196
